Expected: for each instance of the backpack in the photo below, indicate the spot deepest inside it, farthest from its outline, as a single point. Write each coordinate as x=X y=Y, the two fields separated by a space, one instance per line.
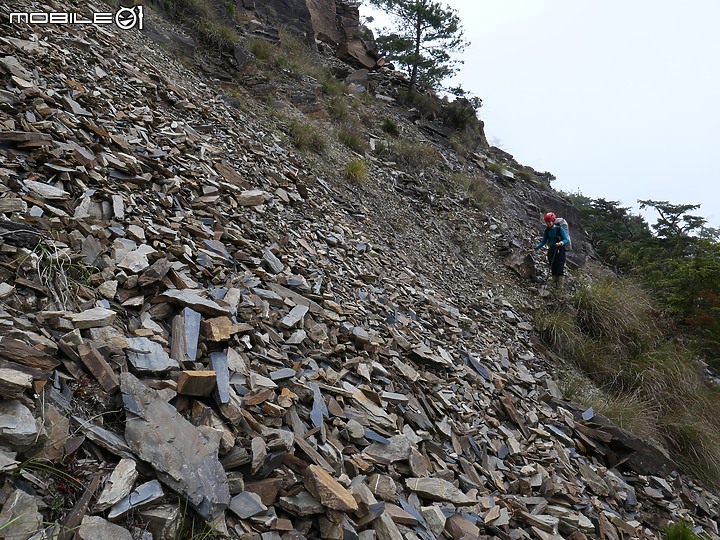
x=563 y=224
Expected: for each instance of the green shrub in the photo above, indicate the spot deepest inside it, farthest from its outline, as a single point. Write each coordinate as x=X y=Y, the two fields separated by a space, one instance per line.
x=356 y=170
x=526 y=174
x=689 y=425
x=296 y=56
x=458 y=143
x=682 y=530
x=381 y=148
x=617 y=311
x=495 y=167
x=197 y=10
x=390 y=126
x=305 y=136
x=427 y=106
x=461 y=115
x=353 y=138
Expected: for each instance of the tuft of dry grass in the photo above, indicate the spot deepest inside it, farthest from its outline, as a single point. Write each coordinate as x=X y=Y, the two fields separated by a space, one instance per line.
x=415 y=156
x=356 y=170
x=217 y=35
x=651 y=386
x=476 y=190
x=352 y=137
x=305 y=136
x=691 y=431
x=338 y=108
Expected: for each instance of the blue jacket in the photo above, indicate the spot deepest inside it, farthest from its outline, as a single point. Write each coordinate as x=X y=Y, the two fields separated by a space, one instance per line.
x=553 y=236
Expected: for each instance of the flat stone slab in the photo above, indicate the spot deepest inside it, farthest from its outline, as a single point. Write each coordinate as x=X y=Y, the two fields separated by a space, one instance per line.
x=185 y=459
x=193 y=300
x=95 y=527
x=328 y=491
x=149 y=356
x=436 y=489
x=92 y=318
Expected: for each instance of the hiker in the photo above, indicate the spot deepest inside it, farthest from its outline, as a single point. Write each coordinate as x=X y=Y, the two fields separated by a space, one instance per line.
x=556 y=239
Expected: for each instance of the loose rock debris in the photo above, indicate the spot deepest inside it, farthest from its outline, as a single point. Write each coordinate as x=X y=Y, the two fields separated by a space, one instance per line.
x=192 y=325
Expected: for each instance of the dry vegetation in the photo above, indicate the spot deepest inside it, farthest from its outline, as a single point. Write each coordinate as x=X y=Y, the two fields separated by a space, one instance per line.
x=651 y=385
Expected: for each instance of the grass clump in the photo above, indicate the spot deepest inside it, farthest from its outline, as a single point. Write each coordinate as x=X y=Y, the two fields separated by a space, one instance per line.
x=192 y=9
x=416 y=156
x=682 y=530
x=650 y=384
x=331 y=86
x=217 y=35
x=353 y=138
x=390 y=127
x=427 y=106
x=261 y=49
x=495 y=168
x=356 y=170
x=212 y=32
x=338 y=108
x=289 y=54
x=305 y=136
x=476 y=190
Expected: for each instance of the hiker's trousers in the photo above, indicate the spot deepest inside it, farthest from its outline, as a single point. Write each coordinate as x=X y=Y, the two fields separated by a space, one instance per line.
x=556 y=259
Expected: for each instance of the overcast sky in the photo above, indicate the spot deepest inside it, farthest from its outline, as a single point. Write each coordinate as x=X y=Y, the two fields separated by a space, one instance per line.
x=619 y=99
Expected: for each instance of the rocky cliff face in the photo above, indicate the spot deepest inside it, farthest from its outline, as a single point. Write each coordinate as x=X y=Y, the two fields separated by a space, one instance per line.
x=335 y=22
x=201 y=324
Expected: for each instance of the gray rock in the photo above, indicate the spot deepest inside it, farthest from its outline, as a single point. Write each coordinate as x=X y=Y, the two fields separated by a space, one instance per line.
x=274 y=264
x=149 y=356
x=17 y=424
x=252 y=197
x=92 y=318
x=435 y=519
x=136 y=261
x=183 y=457
x=143 y=496
x=399 y=449
x=19 y=518
x=246 y=505
x=294 y=317
x=219 y=363
x=119 y=485
x=95 y=527
x=522 y=264
x=386 y=529
x=437 y=489
x=163 y=521
x=302 y=504
x=282 y=374
x=7 y=460
x=46 y=191
x=192 y=299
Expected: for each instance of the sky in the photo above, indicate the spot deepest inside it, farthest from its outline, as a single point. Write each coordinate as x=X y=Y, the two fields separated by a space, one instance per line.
x=619 y=99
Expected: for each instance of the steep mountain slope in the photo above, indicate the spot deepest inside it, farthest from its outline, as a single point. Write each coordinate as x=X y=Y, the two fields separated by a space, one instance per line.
x=243 y=337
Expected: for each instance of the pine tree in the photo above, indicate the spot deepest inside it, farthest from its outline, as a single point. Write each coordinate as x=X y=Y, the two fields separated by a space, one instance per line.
x=424 y=35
